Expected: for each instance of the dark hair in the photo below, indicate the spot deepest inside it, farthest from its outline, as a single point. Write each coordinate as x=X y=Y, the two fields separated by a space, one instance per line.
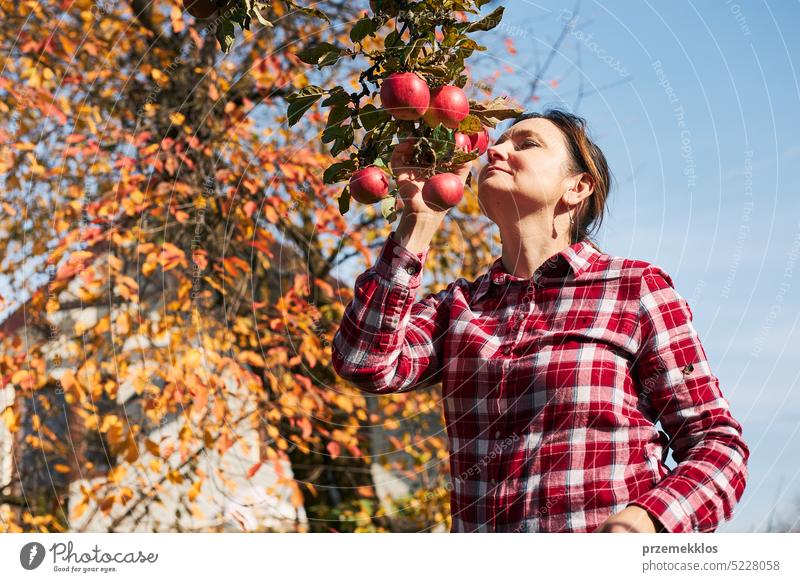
x=585 y=156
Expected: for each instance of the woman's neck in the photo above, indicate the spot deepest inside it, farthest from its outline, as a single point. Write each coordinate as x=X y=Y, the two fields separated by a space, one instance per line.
x=525 y=249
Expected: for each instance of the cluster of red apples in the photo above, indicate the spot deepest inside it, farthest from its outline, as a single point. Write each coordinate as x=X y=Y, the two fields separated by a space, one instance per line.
x=407 y=97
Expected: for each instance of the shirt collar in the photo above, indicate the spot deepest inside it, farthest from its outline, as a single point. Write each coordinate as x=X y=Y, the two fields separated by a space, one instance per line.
x=574 y=260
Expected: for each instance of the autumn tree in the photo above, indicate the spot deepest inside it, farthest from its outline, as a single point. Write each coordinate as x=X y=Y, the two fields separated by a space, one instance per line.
x=154 y=171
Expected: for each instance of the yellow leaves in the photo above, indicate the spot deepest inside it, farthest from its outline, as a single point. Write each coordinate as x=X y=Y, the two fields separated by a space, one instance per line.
x=127 y=288
x=61 y=468
x=35 y=167
x=177 y=118
x=72 y=389
x=194 y=490
x=192 y=359
x=116 y=474
x=175 y=477
x=251 y=358
x=185 y=434
x=136 y=196
x=176 y=19
x=25 y=379
x=296 y=498
x=171 y=256
x=158 y=76
x=76 y=262
x=10 y=419
x=152 y=447
x=122 y=497
x=123 y=323
x=344 y=402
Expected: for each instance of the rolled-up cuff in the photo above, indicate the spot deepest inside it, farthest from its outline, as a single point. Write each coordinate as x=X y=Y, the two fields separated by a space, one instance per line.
x=399 y=265
x=672 y=512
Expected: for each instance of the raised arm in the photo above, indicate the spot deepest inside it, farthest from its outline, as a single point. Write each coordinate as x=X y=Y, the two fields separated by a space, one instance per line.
x=387 y=342
x=679 y=389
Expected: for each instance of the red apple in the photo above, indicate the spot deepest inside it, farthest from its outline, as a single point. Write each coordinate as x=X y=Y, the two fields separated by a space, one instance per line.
x=449 y=106
x=463 y=142
x=405 y=95
x=480 y=141
x=200 y=8
x=369 y=185
x=443 y=191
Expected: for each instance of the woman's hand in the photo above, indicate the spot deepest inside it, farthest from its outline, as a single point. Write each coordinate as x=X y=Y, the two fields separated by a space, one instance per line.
x=410 y=180
x=632 y=519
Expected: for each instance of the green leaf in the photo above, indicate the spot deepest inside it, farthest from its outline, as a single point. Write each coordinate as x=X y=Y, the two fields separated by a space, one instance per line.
x=337 y=114
x=487 y=22
x=470 y=124
x=411 y=52
x=344 y=200
x=363 y=28
x=343 y=142
x=371 y=116
x=302 y=101
x=226 y=35
x=309 y=11
x=334 y=132
x=495 y=111
x=339 y=171
x=336 y=96
x=389 y=208
x=392 y=40
x=321 y=54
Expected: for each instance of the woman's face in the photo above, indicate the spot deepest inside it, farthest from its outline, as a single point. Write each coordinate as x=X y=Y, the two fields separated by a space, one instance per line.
x=532 y=161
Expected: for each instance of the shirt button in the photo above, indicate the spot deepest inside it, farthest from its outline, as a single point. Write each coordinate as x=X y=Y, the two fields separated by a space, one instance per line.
x=411 y=270
x=493 y=481
x=497 y=435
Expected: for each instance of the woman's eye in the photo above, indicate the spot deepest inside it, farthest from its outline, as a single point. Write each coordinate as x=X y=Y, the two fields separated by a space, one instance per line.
x=529 y=142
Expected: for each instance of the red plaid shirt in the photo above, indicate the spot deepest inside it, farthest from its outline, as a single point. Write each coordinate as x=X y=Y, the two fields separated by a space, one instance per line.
x=552 y=387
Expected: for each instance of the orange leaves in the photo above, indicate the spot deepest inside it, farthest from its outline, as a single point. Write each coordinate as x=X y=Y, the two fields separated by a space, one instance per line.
x=127 y=288
x=152 y=447
x=254 y=469
x=76 y=262
x=194 y=490
x=171 y=256
x=10 y=419
x=334 y=449
x=249 y=208
x=233 y=265
x=251 y=358
x=25 y=379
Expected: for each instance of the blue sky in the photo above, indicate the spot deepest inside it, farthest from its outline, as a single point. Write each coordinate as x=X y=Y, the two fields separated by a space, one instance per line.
x=700 y=128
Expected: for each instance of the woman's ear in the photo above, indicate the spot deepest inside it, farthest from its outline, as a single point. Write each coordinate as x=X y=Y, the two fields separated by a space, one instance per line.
x=581 y=189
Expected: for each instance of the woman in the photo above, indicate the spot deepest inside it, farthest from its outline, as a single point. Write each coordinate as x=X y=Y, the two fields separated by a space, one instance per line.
x=557 y=363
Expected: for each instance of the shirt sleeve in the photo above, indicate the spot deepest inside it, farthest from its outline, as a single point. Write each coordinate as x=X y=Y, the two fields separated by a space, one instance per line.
x=386 y=342
x=678 y=388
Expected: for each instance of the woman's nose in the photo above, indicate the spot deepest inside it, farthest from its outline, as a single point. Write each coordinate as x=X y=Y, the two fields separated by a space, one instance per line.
x=493 y=153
